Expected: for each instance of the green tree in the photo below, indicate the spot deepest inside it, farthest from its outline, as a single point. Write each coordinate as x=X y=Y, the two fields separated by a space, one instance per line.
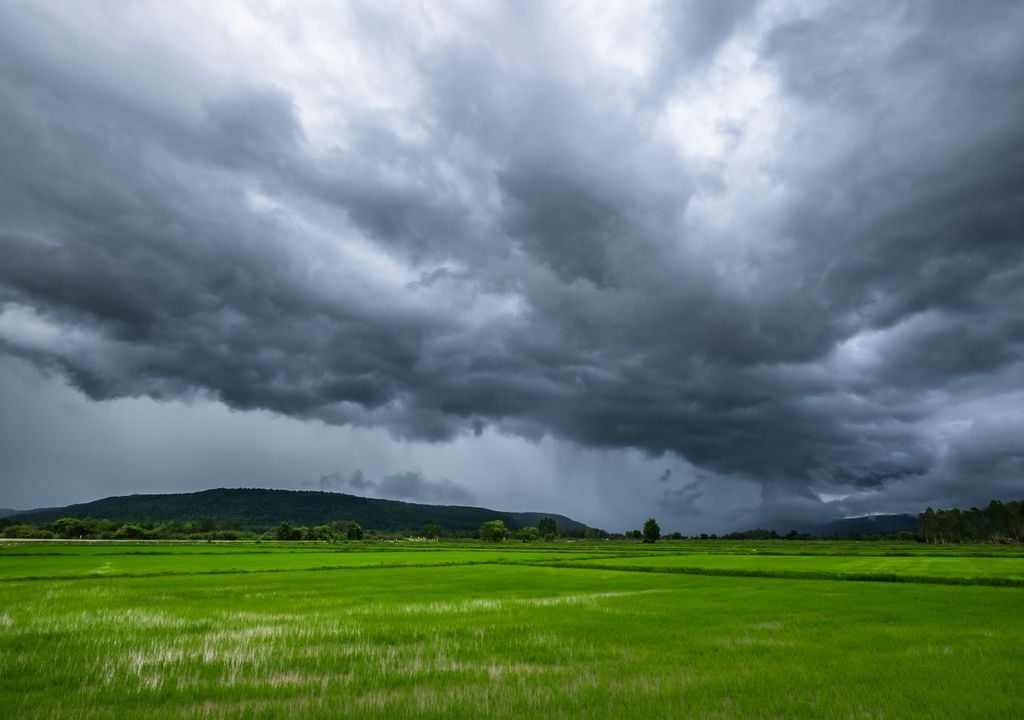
x=527 y=534
x=1015 y=519
x=355 y=531
x=547 y=528
x=130 y=531
x=493 y=531
x=431 y=530
x=321 y=532
x=285 y=531
x=68 y=527
x=105 y=528
x=974 y=525
x=926 y=525
x=652 y=531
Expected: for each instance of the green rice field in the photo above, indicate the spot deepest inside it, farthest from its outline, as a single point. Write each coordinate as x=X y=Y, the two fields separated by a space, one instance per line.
x=684 y=629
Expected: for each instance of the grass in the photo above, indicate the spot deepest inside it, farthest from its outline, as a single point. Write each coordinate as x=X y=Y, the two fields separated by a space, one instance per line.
x=947 y=570
x=471 y=632
x=140 y=564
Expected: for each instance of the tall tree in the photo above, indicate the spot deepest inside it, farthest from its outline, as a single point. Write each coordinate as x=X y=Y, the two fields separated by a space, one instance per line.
x=548 y=528
x=652 y=531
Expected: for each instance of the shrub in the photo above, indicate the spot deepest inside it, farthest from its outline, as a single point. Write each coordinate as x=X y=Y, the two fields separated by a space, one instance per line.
x=493 y=531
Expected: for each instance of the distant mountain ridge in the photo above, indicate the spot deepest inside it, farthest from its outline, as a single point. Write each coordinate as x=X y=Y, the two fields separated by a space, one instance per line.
x=262 y=508
x=867 y=524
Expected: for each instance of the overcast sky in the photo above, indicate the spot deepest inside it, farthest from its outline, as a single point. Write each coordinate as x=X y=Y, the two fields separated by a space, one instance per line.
x=730 y=264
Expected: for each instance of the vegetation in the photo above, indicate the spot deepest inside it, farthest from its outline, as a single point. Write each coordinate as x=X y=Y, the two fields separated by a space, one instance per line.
x=998 y=522
x=652 y=531
x=261 y=510
x=1001 y=571
x=547 y=528
x=493 y=531
x=527 y=534
x=466 y=630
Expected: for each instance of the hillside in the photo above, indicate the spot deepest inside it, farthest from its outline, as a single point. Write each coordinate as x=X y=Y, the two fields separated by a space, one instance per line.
x=867 y=524
x=258 y=508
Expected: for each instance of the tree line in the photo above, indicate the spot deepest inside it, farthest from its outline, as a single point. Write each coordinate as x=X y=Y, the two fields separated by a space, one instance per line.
x=998 y=523
x=70 y=528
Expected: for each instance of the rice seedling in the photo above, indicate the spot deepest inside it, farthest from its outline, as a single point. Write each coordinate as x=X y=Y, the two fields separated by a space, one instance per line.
x=470 y=633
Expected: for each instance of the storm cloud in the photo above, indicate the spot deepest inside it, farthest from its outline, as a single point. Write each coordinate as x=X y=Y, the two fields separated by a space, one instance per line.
x=782 y=243
x=409 y=485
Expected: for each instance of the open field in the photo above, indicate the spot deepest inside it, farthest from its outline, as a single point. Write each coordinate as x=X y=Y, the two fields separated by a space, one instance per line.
x=954 y=570
x=191 y=561
x=162 y=630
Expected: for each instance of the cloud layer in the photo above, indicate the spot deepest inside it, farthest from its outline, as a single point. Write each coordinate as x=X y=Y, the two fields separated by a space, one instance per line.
x=409 y=485
x=782 y=242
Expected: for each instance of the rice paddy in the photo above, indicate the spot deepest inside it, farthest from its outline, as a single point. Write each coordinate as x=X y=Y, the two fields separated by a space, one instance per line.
x=588 y=630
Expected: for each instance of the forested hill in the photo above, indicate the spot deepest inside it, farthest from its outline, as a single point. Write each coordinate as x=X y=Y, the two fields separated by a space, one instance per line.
x=866 y=524
x=258 y=508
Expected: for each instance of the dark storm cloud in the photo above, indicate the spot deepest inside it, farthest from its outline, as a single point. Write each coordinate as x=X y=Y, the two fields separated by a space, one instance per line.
x=528 y=256
x=683 y=500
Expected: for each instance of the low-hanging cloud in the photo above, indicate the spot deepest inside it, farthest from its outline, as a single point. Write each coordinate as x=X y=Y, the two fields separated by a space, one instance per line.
x=409 y=485
x=781 y=242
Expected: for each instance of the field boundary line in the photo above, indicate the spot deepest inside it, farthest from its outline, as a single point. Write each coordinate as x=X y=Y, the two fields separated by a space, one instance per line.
x=793 y=574
x=266 y=571
x=237 y=571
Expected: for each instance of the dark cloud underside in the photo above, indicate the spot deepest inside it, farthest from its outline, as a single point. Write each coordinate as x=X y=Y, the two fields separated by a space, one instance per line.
x=824 y=296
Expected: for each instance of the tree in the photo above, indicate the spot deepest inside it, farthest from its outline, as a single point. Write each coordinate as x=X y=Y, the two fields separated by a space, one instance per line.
x=355 y=531
x=285 y=531
x=926 y=524
x=527 y=534
x=431 y=530
x=130 y=531
x=493 y=531
x=320 y=532
x=652 y=531
x=68 y=527
x=1015 y=519
x=547 y=528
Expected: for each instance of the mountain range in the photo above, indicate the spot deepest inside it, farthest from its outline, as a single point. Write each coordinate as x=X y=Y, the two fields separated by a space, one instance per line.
x=866 y=524
x=262 y=508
